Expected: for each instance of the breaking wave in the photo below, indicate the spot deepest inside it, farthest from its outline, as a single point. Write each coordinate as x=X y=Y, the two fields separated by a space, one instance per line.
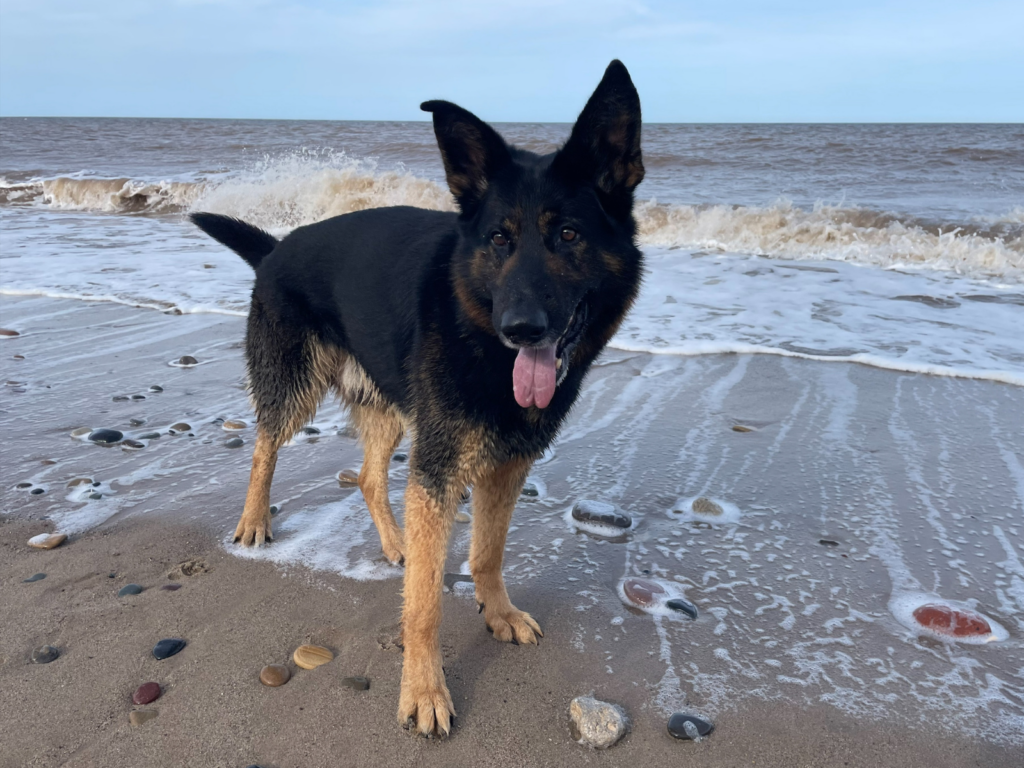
x=288 y=191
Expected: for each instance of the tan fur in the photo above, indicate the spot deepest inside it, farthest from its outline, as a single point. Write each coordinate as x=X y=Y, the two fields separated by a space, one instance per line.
x=380 y=431
x=254 y=527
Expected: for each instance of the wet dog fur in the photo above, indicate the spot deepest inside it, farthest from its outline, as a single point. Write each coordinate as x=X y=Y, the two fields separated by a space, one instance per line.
x=415 y=319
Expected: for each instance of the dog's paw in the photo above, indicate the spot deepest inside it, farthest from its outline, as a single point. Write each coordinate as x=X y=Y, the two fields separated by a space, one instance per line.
x=253 y=530
x=425 y=706
x=512 y=625
x=394 y=548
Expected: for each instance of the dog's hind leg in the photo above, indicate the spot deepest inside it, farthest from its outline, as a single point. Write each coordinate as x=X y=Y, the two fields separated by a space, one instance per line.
x=380 y=431
x=254 y=526
x=494 y=499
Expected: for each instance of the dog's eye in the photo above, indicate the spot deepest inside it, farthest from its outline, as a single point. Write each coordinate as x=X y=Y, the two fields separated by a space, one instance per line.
x=568 y=234
x=499 y=239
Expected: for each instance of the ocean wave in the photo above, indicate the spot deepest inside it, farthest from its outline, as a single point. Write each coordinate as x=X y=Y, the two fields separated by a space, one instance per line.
x=292 y=190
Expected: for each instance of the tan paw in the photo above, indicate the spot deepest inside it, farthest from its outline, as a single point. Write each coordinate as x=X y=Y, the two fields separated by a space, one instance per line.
x=253 y=530
x=510 y=625
x=394 y=547
x=425 y=705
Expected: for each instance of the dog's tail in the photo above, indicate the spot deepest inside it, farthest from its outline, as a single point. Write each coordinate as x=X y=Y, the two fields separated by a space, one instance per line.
x=251 y=243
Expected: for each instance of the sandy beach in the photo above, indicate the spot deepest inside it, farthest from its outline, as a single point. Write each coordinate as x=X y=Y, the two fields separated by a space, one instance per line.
x=797 y=656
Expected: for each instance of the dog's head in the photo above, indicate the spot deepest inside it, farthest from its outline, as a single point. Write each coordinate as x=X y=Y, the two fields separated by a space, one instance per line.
x=547 y=260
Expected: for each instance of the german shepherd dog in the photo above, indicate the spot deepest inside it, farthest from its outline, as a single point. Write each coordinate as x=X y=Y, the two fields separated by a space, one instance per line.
x=472 y=331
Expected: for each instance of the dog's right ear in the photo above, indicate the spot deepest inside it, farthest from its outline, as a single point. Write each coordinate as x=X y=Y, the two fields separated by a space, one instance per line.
x=472 y=151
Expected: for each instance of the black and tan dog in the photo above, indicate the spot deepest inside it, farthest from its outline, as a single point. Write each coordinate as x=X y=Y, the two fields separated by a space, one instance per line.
x=472 y=331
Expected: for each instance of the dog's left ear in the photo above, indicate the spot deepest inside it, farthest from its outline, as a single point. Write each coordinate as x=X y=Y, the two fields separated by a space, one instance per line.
x=604 y=147
x=472 y=151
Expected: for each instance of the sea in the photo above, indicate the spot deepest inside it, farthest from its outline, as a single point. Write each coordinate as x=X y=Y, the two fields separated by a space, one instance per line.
x=898 y=246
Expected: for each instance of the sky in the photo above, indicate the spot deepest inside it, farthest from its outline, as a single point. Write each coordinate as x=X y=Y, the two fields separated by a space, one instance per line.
x=534 y=60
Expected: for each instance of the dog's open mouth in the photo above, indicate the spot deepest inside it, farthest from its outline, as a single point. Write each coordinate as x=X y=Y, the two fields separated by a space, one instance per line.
x=539 y=370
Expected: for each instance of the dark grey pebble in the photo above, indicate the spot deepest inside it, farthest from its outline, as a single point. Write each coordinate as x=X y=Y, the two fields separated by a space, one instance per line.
x=274 y=509
x=36 y=577
x=95 y=496
x=531 y=490
x=112 y=575
x=138 y=397
x=37 y=491
x=119 y=398
x=400 y=457
x=106 y=436
x=234 y=442
x=187 y=360
x=133 y=444
x=180 y=426
x=97 y=484
x=676 y=604
x=45 y=654
x=150 y=436
x=156 y=388
x=129 y=589
x=451 y=579
x=677 y=726
x=310 y=431
x=171 y=587
x=23 y=485
x=136 y=422
x=167 y=648
x=600 y=512
x=828 y=542
x=356 y=683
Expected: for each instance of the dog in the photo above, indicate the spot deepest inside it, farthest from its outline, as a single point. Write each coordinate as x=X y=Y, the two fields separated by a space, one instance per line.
x=472 y=331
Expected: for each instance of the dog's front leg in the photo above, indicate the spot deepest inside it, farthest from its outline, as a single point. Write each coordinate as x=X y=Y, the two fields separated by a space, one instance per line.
x=494 y=499
x=425 y=703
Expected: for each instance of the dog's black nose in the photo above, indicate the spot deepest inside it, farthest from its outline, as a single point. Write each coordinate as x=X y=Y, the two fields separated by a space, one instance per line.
x=524 y=326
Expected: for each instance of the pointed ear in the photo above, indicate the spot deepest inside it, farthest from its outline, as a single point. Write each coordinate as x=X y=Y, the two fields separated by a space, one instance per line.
x=604 y=147
x=472 y=151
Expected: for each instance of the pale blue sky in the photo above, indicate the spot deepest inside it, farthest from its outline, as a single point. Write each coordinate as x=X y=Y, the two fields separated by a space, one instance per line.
x=519 y=61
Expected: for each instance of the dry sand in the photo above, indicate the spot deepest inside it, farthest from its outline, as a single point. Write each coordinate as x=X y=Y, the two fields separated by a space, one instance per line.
x=178 y=498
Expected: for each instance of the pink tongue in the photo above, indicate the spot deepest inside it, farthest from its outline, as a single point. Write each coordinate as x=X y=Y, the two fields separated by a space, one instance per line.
x=533 y=378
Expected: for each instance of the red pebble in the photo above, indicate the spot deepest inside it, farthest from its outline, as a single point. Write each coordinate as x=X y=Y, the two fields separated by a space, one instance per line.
x=640 y=591
x=146 y=693
x=952 y=622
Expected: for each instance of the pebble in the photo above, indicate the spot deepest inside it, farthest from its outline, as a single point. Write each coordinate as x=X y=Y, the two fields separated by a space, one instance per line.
x=400 y=457
x=95 y=496
x=955 y=622
x=274 y=509
x=19 y=357
x=462 y=517
x=129 y=589
x=81 y=431
x=47 y=540
x=150 y=436
x=34 y=578
x=590 y=511
x=702 y=505
x=23 y=485
x=180 y=426
x=688 y=727
x=741 y=428
x=642 y=592
x=146 y=693
x=44 y=654
x=312 y=431
x=132 y=445
x=348 y=478
x=356 y=683
x=683 y=606
x=168 y=647
x=530 y=490
x=106 y=436
x=141 y=716
x=171 y=587
x=47 y=462
x=596 y=723
x=187 y=360
x=234 y=442
x=451 y=579
x=138 y=422
x=234 y=424
x=156 y=388
x=138 y=397
x=8 y=332
x=275 y=675
x=311 y=656
x=828 y=542
x=79 y=481
x=37 y=491
x=119 y=398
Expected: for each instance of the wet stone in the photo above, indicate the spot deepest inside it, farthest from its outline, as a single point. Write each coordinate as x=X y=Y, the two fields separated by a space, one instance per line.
x=34 y=578
x=47 y=540
x=81 y=431
x=954 y=622
x=106 y=436
x=156 y=388
x=234 y=442
x=828 y=542
x=586 y=510
x=348 y=478
x=141 y=716
x=742 y=428
x=312 y=431
x=274 y=509
x=275 y=675
x=462 y=517
x=138 y=397
x=138 y=422
x=688 y=727
x=129 y=589
x=18 y=357
x=642 y=592
x=451 y=579
x=132 y=445
x=187 y=360
x=79 y=481
x=683 y=606
x=311 y=656
x=95 y=496
x=119 y=398
x=705 y=506
x=146 y=693
x=356 y=683
x=37 y=491
x=596 y=723
x=180 y=426
x=234 y=424
x=171 y=587
x=529 y=489
x=167 y=648
x=47 y=462
x=8 y=332
x=150 y=436
x=400 y=457
x=44 y=654
x=23 y=485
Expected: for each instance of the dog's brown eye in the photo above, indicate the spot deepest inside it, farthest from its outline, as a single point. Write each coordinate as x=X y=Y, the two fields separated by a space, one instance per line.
x=499 y=239
x=568 y=234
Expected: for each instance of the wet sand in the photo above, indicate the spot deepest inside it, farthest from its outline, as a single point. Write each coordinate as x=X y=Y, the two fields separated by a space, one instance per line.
x=796 y=657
